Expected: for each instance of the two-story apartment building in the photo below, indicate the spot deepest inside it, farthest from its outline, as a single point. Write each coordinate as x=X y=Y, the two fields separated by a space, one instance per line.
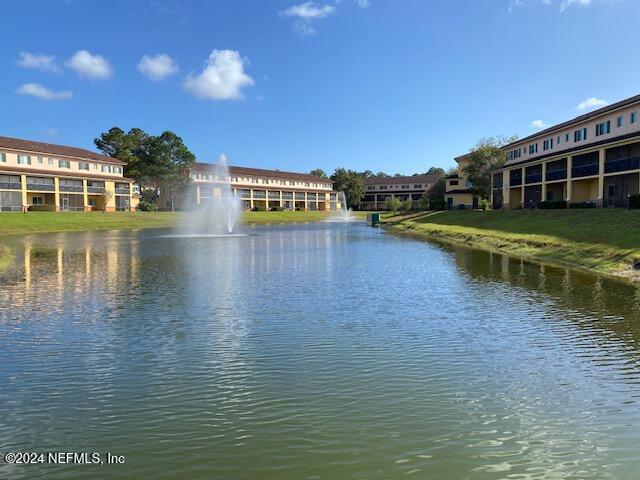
x=457 y=195
x=594 y=158
x=257 y=188
x=378 y=189
x=61 y=178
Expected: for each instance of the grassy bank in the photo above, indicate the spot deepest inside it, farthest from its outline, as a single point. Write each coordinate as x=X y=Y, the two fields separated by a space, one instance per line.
x=601 y=241
x=40 y=222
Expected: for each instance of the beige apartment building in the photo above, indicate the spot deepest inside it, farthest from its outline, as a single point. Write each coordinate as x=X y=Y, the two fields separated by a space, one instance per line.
x=44 y=176
x=257 y=188
x=378 y=189
x=457 y=195
x=592 y=159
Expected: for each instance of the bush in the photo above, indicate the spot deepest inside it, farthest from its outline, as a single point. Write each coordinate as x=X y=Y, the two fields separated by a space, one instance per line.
x=634 y=201
x=583 y=205
x=552 y=204
x=145 y=206
x=259 y=209
x=42 y=208
x=484 y=204
x=407 y=206
x=437 y=204
x=277 y=209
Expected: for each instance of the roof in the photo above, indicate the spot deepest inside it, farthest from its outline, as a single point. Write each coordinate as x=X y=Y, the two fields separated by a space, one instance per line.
x=579 y=119
x=53 y=149
x=264 y=173
x=50 y=173
x=400 y=180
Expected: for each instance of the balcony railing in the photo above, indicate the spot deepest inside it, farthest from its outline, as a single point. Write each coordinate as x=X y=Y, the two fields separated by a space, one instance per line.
x=10 y=186
x=95 y=189
x=274 y=196
x=622 y=164
x=533 y=178
x=71 y=188
x=585 y=170
x=556 y=175
x=122 y=191
x=41 y=186
x=258 y=194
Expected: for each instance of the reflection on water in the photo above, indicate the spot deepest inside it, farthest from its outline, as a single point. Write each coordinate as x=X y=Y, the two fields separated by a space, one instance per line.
x=317 y=351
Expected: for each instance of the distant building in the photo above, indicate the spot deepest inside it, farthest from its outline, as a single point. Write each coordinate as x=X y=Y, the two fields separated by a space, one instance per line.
x=258 y=188
x=457 y=194
x=61 y=178
x=594 y=158
x=378 y=189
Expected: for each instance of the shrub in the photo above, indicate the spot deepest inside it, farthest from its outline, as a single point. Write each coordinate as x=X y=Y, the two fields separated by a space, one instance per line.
x=484 y=204
x=407 y=206
x=634 y=201
x=145 y=206
x=277 y=209
x=42 y=208
x=393 y=204
x=583 y=205
x=552 y=204
x=259 y=209
x=437 y=204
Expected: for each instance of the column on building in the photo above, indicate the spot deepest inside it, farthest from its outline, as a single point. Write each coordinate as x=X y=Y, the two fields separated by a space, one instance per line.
x=602 y=155
x=56 y=193
x=543 y=190
x=569 y=179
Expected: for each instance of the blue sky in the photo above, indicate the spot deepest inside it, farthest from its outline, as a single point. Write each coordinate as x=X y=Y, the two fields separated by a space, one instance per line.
x=392 y=85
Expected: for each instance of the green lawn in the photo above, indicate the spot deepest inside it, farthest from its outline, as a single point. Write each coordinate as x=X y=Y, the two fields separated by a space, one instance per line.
x=34 y=222
x=604 y=241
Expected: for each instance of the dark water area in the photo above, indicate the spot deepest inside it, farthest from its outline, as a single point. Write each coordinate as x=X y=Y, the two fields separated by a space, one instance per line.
x=313 y=351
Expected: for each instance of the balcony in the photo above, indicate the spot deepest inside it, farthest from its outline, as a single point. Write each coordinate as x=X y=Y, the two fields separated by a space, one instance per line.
x=533 y=178
x=71 y=188
x=274 y=195
x=556 y=175
x=622 y=164
x=122 y=191
x=585 y=170
x=95 y=189
x=259 y=194
x=10 y=186
x=45 y=187
x=515 y=180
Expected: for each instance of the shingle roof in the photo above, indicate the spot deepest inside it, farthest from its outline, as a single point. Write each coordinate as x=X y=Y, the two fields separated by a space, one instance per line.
x=578 y=119
x=400 y=180
x=53 y=149
x=264 y=173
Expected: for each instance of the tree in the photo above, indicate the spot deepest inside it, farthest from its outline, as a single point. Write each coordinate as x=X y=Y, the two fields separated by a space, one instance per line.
x=393 y=204
x=318 y=172
x=151 y=160
x=366 y=174
x=486 y=156
x=435 y=171
x=351 y=184
x=407 y=206
x=381 y=175
x=423 y=203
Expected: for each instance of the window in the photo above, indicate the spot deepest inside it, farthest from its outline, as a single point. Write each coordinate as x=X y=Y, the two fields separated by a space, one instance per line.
x=559 y=140
x=619 y=121
x=547 y=144
x=566 y=137
x=3 y=157
x=24 y=160
x=634 y=117
x=64 y=164
x=417 y=185
x=117 y=169
x=40 y=161
x=106 y=168
x=37 y=201
x=533 y=148
x=383 y=187
x=580 y=135
x=371 y=187
x=453 y=182
x=83 y=166
x=405 y=187
x=603 y=128
x=50 y=161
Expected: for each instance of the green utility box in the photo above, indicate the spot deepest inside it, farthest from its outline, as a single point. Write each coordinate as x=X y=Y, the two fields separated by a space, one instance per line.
x=373 y=219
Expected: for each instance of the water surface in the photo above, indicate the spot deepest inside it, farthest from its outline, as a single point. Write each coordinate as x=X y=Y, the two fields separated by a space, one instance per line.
x=319 y=351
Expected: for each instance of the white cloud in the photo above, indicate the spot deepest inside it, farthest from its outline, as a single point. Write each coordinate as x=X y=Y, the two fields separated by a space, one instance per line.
x=45 y=63
x=223 y=77
x=539 y=124
x=568 y=3
x=88 y=65
x=157 y=67
x=44 y=93
x=304 y=13
x=363 y=3
x=592 y=102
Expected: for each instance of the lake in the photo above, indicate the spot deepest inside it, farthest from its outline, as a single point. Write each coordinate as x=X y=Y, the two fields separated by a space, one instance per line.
x=313 y=351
